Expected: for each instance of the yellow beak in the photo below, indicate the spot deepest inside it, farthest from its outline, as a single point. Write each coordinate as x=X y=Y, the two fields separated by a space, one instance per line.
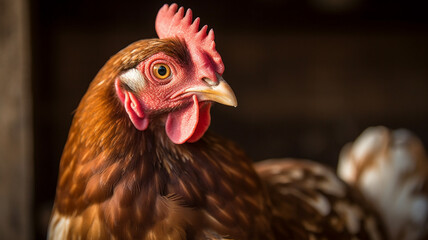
x=221 y=93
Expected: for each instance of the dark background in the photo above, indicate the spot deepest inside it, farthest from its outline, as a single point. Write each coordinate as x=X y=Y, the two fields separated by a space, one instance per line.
x=309 y=75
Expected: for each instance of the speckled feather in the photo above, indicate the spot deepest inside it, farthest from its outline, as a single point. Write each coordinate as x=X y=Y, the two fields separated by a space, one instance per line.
x=311 y=202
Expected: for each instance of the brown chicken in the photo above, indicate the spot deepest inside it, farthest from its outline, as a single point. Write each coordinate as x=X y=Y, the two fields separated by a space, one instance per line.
x=138 y=163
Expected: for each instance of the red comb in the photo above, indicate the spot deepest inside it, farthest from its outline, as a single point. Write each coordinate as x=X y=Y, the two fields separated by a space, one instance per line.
x=171 y=22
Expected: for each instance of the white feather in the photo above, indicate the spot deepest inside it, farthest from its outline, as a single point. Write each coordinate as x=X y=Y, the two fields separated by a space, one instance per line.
x=387 y=164
x=59 y=227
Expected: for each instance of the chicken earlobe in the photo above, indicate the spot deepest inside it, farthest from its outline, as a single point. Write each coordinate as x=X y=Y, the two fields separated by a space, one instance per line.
x=133 y=107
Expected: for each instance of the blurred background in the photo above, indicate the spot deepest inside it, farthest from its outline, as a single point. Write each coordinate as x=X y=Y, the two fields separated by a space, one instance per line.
x=309 y=75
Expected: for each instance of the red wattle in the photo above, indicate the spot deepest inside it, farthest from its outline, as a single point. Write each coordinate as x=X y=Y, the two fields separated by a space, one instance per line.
x=188 y=124
x=203 y=123
x=181 y=124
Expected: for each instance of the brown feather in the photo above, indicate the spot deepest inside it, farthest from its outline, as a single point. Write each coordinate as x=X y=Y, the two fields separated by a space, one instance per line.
x=311 y=202
x=116 y=182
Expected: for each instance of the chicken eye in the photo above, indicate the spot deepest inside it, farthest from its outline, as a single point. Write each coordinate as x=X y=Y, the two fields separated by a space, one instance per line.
x=161 y=71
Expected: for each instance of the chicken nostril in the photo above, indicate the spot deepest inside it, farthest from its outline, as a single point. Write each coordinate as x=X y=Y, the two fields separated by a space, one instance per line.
x=210 y=82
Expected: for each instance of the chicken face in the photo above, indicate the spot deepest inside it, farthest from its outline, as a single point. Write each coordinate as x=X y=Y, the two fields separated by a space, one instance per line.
x=178 y=81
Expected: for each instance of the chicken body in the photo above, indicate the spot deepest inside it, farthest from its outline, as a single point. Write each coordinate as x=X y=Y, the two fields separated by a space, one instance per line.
x=138 y=163
x=161 y=191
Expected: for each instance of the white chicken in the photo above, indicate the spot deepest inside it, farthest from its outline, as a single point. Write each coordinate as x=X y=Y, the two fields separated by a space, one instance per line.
x=390 y=168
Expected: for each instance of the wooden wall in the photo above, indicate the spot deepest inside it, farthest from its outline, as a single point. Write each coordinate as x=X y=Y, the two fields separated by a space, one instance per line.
x=16 y=160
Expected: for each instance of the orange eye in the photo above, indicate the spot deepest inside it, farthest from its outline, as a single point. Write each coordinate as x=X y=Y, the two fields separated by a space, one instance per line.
x=161 y=71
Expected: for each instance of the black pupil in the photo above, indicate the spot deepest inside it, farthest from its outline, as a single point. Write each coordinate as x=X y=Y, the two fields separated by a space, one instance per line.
x=162 y=70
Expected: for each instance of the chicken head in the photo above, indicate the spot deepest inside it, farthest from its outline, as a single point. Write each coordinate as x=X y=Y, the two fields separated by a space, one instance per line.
x=179 y=81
